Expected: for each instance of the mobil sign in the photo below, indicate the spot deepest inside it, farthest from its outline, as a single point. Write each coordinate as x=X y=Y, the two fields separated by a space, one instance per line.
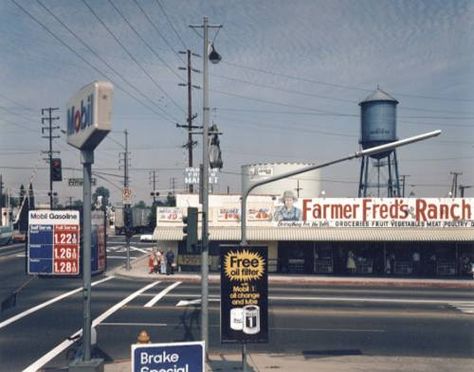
x=89 y=115
x=172 y=357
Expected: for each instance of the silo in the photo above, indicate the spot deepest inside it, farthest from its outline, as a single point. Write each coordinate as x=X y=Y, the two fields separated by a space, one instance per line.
x=378 y=126
x=305 y=185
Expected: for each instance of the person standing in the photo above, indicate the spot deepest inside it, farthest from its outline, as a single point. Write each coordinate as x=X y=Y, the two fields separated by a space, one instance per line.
x=157 y=262
x=169 y=262
x=162 y=263
x=350 y=264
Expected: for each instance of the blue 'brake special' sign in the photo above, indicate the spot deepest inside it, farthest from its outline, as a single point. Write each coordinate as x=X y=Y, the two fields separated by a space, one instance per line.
x=174 y=357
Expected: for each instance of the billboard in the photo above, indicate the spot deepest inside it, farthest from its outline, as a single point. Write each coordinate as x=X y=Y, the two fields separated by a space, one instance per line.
x=89 y=115
x=53 y=246
x=374 y=212
x=244 y=294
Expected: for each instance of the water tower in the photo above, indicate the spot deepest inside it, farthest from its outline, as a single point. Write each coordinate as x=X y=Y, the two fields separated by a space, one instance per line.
x=378 y=126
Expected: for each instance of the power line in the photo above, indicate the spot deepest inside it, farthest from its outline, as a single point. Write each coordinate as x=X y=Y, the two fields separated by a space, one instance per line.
x=319 y=82
x=183 y=44
x=130 y=54
x=159 y=33
x=118 y=86
x=86 y=45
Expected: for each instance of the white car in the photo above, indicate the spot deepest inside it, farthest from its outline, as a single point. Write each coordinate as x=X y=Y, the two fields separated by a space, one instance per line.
x=147 y=238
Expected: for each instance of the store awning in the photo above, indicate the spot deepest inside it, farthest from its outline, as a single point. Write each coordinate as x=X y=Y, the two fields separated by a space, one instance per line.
x=255 y=233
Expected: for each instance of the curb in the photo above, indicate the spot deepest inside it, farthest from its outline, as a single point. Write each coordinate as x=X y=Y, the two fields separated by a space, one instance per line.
x=307 y=280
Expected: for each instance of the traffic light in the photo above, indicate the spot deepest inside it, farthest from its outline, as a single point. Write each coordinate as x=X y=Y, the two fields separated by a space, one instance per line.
x=56 y=169
x=190 y=229
x=128 y=221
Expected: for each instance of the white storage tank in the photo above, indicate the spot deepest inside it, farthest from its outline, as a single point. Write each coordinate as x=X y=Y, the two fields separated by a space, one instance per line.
x=306 y=185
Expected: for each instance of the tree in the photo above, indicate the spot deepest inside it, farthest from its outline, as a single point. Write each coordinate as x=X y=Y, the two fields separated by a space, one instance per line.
x=140 y=204
x=100 y=198
x=171 y=200
x=31 y=197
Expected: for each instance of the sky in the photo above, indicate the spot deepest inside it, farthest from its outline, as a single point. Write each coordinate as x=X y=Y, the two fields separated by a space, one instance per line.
x=287 y=88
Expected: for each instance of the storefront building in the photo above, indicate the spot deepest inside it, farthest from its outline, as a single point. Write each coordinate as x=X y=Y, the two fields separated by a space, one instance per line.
x=428 y=237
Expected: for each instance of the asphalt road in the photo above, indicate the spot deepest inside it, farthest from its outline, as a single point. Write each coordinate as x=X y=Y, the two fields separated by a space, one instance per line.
x=314 y=321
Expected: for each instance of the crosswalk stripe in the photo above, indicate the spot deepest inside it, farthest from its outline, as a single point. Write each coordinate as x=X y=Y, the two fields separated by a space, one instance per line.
x=464 y=307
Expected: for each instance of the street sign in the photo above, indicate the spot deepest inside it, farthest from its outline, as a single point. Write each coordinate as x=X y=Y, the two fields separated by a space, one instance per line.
x=53 y=243
x=175 y=357
x=80 y=181
x=244 y=294
x=192 y=176
x=127 y=195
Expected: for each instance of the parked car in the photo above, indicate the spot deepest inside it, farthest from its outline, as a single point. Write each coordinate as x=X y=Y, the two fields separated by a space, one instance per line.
x=147 y=238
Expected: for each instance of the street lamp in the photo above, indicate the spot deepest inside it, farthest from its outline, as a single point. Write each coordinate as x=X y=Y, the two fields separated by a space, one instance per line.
x=358 y=154
x=214 y=57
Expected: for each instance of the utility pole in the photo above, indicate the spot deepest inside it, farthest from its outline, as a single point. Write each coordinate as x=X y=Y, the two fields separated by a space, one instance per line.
x=126 y=206
x=403 y=179
x=298 y=188
x=454 y=185
x=153 y=185
x=173 y=185
x=462 y=188
x=49 y=128
x=190 y=144
x=204 y=192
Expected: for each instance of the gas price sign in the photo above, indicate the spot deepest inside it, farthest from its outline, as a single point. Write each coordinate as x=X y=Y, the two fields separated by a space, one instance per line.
x=53 y=242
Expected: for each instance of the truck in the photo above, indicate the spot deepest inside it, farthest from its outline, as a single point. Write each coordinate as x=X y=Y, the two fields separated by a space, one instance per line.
x=140 y=219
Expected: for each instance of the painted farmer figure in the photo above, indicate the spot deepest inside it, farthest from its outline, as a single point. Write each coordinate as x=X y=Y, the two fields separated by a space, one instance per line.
x=288 y=211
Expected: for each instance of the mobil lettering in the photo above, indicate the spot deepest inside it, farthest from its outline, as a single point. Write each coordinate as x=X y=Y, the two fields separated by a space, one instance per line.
x=80 y=117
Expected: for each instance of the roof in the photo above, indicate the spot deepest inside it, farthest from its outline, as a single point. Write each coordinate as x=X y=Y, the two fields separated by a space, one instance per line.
x=378 y=95
x=326 y=234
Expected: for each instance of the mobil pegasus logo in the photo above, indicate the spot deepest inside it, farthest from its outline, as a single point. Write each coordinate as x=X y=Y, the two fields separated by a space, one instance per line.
x=80 y=117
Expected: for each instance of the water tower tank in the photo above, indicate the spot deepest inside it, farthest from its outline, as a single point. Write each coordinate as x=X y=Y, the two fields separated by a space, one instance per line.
x=378 y=120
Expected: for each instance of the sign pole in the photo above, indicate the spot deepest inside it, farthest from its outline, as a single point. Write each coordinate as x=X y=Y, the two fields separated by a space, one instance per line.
x=87 y=159
x=88 y=122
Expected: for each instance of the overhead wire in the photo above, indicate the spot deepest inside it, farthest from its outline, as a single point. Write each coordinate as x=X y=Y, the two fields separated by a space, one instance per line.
x=118 y=86
x=131 y=56
x=159 y=32
x=164 y=115
x=334 y=85
x=183 y=44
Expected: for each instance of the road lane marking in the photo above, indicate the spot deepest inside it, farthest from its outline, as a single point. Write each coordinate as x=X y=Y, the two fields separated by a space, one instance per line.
x=343 y=299
x=139 y=249
x=49 y=302
x=196 y=301
x=134 y=324
x=66 y=343
x=327 y=329
x=160 y=295
x=466 y=307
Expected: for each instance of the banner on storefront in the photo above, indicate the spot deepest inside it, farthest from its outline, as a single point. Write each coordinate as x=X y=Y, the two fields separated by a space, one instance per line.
x=375 y=212
x=169 y=214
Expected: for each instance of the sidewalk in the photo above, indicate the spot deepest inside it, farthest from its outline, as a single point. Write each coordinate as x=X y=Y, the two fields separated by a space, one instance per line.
x=324 y=363
x=139 y=270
